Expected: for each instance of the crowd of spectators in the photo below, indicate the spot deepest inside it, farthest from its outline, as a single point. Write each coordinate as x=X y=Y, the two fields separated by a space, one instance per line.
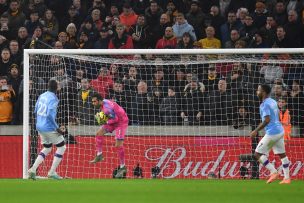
x=207 y=94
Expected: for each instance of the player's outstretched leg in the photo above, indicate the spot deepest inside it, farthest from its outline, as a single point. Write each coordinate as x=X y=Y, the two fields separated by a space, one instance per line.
x=44 y=152
x=285 y=166
x=56 y=161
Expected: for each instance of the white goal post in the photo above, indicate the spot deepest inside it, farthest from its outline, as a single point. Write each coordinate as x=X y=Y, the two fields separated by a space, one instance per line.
x=173 y=58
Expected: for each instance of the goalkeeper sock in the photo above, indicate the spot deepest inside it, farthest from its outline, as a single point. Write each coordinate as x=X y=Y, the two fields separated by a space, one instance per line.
x=285 y=164
x=44 y=152
x=57 y=159
x=99 y=141
x=264 y=160
x=121 y=155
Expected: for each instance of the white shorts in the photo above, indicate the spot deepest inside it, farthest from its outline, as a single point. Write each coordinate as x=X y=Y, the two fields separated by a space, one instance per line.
x=51 y=137
x=274 y=142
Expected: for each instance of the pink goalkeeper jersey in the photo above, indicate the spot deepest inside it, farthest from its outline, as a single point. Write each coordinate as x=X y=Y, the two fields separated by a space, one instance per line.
x=116 y=113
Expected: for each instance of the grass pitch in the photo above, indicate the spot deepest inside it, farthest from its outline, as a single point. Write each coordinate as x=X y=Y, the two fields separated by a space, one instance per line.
x=146 y=191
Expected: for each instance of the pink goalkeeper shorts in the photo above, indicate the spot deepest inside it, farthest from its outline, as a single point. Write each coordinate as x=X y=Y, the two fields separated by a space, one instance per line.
x=120 y=130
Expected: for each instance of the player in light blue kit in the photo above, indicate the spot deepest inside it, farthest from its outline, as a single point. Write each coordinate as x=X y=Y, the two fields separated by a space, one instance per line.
x=274 y=137
x=49 y=131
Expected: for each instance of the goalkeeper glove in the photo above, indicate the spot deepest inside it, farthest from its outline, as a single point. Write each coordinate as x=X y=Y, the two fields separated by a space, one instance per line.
x=101 y=118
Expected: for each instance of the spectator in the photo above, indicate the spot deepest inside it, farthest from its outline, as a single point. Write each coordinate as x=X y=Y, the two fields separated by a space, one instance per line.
x=248 y=30
x=131 y=80
x=34 y=22
x=260 y=14
x=280 y=15
x=5 y=62
x=216 y=21
x=22 y=36
x=158 y=31
x=257 y=41
x=62 y=77
x=51 y=27
x=179 y=81
x=96 y=19
x=80 y=74
x=90 y=30
x=210 y=41
x=34 y=41
x=224 y=6
x=85 y=110
x=121 y=39
x=196 y=18
x=232 y=23
x=82 y=12
x=118 y=94
x=7 y=97
x=71 y=32
x=16 y=55
x=3 y=6
x=141 y=105
x=192 y=102
x=58 y=45
x=72 y=17
x=270 y=30
x=240 y=44
x=168 y=41
x=181 y=26
x=241 y=119
x=128 y=17
x=211 y=79
x=271 y=72
x=169 y=108
x=139 y=33
x=104 y=39
x=63 y=38
x=241 y=14
x=281 y=41
x=219 y=108
x=101 y=6
x=294 y=30
x=234 y=36
x=4 y=29
x=40 y=7
x=14 y=77
x=158 y=81
x=277 y=92
x=296 y=105
x=285 y=118
x=84 y=41
x=171 y=11
x=103 y=82
x=16 y=17
x=186 y=42
x=156 y=20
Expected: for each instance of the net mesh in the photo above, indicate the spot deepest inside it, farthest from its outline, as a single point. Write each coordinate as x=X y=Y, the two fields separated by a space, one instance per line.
x=190 y=115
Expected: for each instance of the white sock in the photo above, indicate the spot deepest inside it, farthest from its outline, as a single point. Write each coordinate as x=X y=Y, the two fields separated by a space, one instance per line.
x=57 y=159
x=264 y=160
x=285 y=167
x=99 y=153
x=40 y=158
x=122 y=165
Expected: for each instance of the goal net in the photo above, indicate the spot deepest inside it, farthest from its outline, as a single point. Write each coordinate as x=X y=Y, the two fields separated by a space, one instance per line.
x=190 y=111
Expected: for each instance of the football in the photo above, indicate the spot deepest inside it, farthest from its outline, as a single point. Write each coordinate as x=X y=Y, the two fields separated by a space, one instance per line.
x=101 y=118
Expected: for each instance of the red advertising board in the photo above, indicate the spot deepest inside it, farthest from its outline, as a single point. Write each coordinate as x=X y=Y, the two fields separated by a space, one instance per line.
x=177 y=157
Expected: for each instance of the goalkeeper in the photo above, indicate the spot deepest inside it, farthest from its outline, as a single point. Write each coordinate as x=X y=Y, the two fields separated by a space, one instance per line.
x=111 y=118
